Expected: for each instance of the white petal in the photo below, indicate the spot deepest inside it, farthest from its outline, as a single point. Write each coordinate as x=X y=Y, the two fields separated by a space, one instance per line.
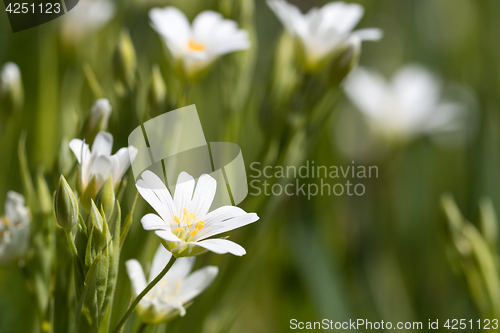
x=173 y=26
x=219 y=227
x=160 y=260
x=221 y=246
x=153 y=222
x=347 y=15
x=179 y=270
x=203 y=195
x=289 y=15
x=197 y=282
x=369 y=91
x=157 y=195
x=15 y=208
x=124 y=156
x=103 y=143
x=78 y=147
x=447 y=117
x=167 y=235
x=183 y=192
x=136 y=276
x=369 y=34
x=204 y=23
x=101 y=168
x=222 y=214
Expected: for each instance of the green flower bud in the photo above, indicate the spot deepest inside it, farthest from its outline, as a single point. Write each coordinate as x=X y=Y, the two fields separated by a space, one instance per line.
x=11 y=89
x=157 y=94
x=65 y=205
x=106 y=198
x=125 y=60
x=95 y=218
x=344 y=62
x=96 y=120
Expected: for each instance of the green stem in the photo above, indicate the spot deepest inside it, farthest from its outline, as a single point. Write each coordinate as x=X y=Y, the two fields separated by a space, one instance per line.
x=143 y=293
x=142 y=328
x=183 y=91
x=71 y=243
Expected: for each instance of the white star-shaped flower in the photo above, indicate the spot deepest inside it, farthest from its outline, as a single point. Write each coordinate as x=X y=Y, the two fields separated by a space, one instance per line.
x=176 y=289
x=407 y=106
x=14 y=229
x=86 y=17
x=195 y=47
x=184 y=223
x=99 y=163
x=323 y=31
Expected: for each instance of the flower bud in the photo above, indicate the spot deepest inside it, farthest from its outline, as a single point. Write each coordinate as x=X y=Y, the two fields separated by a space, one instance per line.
x=65 y=205
x=157 y=92
x=96 y=120
x=106 y=198
x=344 y=62
x=125 y=61
x=11 y=89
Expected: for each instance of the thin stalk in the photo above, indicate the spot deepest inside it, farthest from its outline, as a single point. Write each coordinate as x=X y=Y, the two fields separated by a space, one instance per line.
x=71 y=243
x=143 y=293
x=142 y=328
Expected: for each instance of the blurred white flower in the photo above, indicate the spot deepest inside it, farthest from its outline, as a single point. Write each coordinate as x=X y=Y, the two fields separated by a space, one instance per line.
x=9 y=76
x=323 y=31
x=196 y=47
x=409 y=105
x=177 y=288
x=14 y=229
x=11 y=87
x=86 y=17
x=97 y=118
x=184 y=223
x=99 y=163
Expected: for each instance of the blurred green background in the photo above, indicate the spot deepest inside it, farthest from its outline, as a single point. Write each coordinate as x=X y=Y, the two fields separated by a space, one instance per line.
x=386 y=255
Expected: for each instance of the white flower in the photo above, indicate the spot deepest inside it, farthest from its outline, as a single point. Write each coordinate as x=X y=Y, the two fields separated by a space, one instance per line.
x=100 y=163
x=14 y=229
x=97 y=118
x=168 y=297
x=11 y=87
x=184 y=223
x=409 y=105
x=9 y=76
x=323 y=31
x=198 y=46
x=87 y=16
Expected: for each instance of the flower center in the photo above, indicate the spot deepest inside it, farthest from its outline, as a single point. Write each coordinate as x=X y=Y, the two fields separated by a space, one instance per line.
x=195 y=46
x=188 y=226
x=5 y=221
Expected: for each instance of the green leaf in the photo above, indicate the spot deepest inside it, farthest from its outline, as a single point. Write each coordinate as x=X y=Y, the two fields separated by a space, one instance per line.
x=102 y=268
x=29 y=188
x=88 y=250
x=128 y=222
x=88 y=195
x=105 y=199
x=87 y=309
x=63 y=298
x=114 y=260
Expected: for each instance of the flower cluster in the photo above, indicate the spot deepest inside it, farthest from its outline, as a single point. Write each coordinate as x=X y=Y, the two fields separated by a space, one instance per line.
x=14 y=230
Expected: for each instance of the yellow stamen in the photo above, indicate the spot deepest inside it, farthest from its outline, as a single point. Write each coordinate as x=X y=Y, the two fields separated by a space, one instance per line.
x=196 y=46
x=5 y=221
x=200 y=225
x=194 y=232
x=179 y=229
x=176 y=219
